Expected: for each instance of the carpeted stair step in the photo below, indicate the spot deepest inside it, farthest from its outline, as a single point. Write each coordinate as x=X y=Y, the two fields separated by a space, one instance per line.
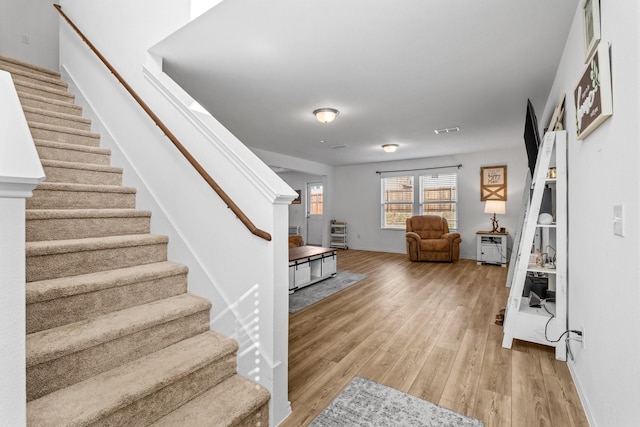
x=53 y=150
x=48 y=104
x=234 y=402
x=143 y=390
x=35 y=89
x=53 y=195
x=63 y=134
x=38 y=115
x=60 y=357
x=56 y=302
x=81 y=173
x=66 y=224
x=6 y=62
x=36 y=78
x=60 y=258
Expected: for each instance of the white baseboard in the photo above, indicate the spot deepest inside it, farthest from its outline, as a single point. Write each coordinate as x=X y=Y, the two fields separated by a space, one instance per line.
x=583 y=398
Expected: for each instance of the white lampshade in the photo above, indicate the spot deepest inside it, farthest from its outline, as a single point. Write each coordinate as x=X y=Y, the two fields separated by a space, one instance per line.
x=326 y=115
x=495 y=207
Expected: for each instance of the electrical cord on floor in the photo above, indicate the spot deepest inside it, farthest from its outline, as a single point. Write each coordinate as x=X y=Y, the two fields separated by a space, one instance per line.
x=549 y=321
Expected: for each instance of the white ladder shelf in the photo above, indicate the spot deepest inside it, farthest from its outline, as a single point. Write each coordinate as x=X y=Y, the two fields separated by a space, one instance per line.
x=535 y=324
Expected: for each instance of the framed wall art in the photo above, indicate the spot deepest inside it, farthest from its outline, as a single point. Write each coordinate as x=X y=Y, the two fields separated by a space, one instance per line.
x=493 y=183
x=591 y=26
x=593 y=98
x=297 y=200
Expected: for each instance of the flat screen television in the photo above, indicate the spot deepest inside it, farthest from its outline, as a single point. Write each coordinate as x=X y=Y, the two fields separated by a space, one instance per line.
x=531 y=136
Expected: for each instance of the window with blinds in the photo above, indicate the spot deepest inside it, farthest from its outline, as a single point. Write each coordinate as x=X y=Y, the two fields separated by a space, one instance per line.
x=436 y=195
x=439 y=196
x=397 y=201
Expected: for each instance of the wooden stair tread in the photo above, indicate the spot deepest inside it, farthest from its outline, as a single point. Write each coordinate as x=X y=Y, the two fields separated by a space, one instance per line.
x=56 y=114
x=69 y=146
x=51 y=103
x=63 y=129
x=40 y=78
x=81 y=166
x=224 y=405
x=57 y=342
x=84 y=213
x=50 y=247
x=45 y=290
x=61 y=186
x=35 y=68
x=21 y=85
x=100 y=395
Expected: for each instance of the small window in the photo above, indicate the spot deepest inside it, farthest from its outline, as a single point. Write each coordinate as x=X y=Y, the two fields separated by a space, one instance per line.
x=397 y=201
x=439 y=196
x=316 y=196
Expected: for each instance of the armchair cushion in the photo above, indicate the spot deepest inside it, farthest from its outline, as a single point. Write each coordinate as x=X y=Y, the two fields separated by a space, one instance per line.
x=429 y=239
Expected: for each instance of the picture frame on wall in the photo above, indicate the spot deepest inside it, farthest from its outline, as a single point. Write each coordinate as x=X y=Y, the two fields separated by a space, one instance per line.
x=493 y=183
x=297 y=200
x=591 y=26
x=593 y=97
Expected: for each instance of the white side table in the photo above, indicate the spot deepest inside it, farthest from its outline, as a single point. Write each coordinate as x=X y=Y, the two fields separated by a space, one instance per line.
x=492 y=248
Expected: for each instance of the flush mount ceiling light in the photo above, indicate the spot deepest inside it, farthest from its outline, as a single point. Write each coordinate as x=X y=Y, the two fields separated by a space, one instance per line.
x=326 y=115
x=447 y=130
x=390 y=148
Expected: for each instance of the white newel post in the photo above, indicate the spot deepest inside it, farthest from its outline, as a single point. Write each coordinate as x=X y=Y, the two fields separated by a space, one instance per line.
x=20 y=173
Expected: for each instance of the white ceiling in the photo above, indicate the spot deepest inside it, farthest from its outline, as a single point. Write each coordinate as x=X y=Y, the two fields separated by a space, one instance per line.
x=396 y=70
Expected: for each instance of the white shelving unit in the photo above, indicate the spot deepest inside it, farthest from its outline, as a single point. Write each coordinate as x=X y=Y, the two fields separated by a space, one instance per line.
x=546 y=324
x=339 y=235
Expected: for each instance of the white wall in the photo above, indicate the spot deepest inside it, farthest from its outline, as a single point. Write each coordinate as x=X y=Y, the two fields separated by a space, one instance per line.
x=604 y=291
x=28 y=31
x=357 y=198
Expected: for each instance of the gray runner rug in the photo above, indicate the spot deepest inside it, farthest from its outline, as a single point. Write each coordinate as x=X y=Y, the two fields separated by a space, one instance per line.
x=313 y=293
x=366 y=403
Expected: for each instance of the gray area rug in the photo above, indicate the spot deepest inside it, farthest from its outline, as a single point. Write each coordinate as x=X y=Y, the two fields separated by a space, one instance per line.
x=366 y=403
x=311 y=294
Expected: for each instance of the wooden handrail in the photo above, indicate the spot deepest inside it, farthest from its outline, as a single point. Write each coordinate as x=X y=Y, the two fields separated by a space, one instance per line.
x=203 y=173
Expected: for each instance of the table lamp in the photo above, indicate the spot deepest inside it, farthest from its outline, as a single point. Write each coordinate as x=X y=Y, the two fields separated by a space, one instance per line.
x=495 y=207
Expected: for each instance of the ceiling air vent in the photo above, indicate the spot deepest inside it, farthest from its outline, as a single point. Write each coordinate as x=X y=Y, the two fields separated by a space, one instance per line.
x=447 y=130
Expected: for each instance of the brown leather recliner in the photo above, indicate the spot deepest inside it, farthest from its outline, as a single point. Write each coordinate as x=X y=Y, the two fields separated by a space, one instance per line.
x=428 y=239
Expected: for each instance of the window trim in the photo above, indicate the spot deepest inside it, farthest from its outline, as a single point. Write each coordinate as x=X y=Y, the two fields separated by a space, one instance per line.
x=418 y=202
x=383 y=203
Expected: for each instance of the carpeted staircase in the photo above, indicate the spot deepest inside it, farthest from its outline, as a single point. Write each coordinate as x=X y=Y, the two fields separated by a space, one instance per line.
x=113 y=337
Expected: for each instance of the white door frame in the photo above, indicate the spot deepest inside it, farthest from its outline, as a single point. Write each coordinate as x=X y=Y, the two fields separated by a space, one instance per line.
x=314 y=221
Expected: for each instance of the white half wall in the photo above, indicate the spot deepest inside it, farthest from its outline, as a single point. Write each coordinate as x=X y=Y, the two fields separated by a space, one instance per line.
x=604 y=291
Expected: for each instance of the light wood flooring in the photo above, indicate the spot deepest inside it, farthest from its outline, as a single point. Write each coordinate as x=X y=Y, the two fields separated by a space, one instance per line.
x=426 y=329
